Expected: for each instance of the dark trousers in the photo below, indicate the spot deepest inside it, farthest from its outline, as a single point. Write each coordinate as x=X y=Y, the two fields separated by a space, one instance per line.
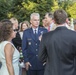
x=35 y=72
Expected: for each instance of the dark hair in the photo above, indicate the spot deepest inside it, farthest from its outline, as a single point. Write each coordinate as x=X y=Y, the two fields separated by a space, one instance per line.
x=60 y=16
x=5 y=30
x=50 y=14
x=5 y=20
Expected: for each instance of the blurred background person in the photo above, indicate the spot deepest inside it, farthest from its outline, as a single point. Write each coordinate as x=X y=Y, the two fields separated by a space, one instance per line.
x=24 y=25
x=74 y=22
x=69 y=23
x=9 y=55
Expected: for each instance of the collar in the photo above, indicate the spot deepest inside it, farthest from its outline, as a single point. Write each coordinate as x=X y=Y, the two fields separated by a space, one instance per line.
x=62 y=25
x=51 y=24
x=35 y=29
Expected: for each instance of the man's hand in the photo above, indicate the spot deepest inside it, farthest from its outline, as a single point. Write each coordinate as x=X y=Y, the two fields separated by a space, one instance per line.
x=27 y=65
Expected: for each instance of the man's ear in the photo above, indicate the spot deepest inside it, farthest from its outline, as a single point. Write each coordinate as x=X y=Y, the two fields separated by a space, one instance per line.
x=67 y=20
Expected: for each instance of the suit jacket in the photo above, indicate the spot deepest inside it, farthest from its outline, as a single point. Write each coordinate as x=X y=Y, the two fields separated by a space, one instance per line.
x=30 y=48
x=58 y=48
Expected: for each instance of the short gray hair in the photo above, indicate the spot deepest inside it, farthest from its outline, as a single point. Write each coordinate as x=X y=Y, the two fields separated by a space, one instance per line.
x=34 y=14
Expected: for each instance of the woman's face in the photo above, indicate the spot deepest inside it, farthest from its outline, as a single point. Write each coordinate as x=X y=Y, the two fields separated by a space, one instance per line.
x=24 y=27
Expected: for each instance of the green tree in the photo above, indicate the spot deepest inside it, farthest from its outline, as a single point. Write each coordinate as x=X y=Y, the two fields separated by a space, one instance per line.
x=71 y=10
x=55 y=5
x=21 y=9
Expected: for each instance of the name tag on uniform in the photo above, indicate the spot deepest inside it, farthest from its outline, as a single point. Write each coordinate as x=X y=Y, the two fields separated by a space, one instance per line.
x=29 y=39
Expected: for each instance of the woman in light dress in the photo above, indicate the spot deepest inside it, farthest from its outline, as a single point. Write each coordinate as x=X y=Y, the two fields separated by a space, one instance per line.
x=9 y=55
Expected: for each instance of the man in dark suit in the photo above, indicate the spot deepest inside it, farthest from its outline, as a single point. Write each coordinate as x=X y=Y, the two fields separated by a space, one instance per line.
x=58 y=48
x=30 y=46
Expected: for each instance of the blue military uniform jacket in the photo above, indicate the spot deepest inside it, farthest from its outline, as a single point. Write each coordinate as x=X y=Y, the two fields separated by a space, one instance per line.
x=30 y=48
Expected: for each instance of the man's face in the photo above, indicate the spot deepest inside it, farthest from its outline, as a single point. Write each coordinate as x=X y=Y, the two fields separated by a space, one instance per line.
x=48 y=19
x=35 y=21
x=44 y=23
x=16 y=24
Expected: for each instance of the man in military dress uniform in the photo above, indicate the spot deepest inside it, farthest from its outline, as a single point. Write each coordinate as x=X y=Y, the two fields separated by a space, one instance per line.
x=30 y=46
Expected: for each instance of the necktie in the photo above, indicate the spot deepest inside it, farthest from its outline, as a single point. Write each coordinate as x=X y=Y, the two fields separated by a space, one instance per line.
x=35 y=34
x=48 y=28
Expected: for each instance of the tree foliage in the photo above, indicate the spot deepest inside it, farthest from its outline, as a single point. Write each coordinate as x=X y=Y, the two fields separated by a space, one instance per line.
x=21 y=9
x=71 y=10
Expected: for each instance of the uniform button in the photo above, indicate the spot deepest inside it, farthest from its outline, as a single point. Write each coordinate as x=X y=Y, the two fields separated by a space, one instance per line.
x=36 y=43
x=36 y=49
x=36 y=55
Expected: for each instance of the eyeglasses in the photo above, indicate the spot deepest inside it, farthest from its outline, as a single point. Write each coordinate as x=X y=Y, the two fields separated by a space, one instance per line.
x=15 y=30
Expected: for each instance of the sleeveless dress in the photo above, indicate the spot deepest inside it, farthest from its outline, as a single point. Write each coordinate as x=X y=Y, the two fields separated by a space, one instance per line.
x=15 y=60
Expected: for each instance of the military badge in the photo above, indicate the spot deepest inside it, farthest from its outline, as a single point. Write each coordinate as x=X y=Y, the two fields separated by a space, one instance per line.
x=29 y=43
